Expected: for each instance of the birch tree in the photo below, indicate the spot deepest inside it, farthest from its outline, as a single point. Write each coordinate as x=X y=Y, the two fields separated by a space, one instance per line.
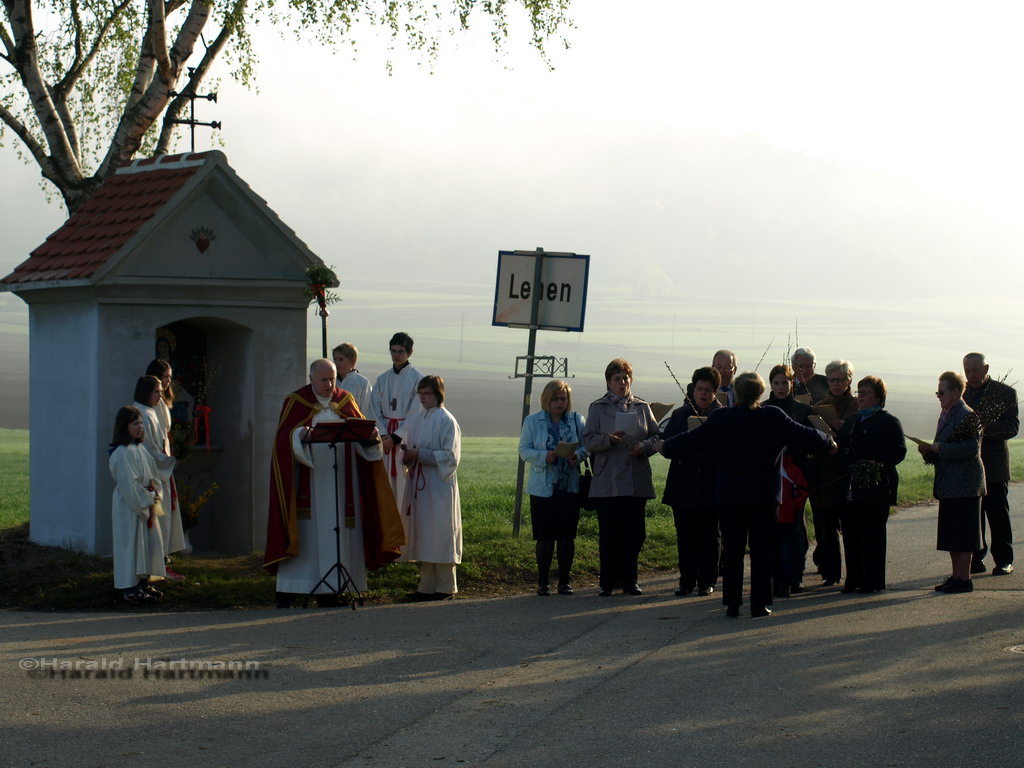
x=86 y=85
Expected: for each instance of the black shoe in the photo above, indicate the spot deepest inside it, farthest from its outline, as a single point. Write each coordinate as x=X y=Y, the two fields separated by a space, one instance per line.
x=869 y=590
x=705 y=591
x=780 y=592
x=565 y=589
x=544 y=590
x=442 y=596
x=796 y=589
x=849 y=589
x=732 y=611
x=943 y=585
x=957 y=586
x=284 y=599
x=632 y=589
x=419 y=597
x=829 y=582
x=978 y=566
x=149 y=589
x=1001 y=570
x=683 y=592
x=137 y=597
x=760 y=611
x=604 y=592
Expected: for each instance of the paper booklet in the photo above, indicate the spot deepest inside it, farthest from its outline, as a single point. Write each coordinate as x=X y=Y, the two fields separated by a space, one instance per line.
x=828 y=412
x=821 y=425
x=692 y=422
x=661 y=410
x=628 y=422
x=805 y=399
x=565 y=450
x=918 y=440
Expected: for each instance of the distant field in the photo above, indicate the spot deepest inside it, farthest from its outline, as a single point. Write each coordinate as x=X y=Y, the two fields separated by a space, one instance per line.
x=487 y=479
x=649 y=323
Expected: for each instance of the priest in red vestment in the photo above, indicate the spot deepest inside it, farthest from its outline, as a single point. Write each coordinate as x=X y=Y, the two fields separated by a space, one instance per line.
x=300 y=526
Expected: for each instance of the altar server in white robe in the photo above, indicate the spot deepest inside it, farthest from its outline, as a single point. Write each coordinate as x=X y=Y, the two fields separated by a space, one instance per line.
x=328 y=503
x=351 y=380
x=148 y=397
x=394 y=400
x=431 y=450
x=138 y=546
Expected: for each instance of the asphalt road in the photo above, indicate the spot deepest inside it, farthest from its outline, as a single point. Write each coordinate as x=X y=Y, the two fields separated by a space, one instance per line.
x=907 y=677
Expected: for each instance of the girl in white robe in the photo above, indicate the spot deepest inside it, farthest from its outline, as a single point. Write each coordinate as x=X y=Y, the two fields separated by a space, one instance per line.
x=432 y=448
x=138 y=544
x=148 y=398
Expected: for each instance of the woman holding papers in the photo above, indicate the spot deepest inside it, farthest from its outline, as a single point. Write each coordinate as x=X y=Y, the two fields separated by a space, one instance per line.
x=621 y=434
x=550 y=444
x=872 y=445
x=959 y=480
x=825 y=474
x=747 y=443
x=690 y=491
x=431 y=450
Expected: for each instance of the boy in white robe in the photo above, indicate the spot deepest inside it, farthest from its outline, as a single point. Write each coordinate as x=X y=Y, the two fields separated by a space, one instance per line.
x=394 y=400
x=351 y=380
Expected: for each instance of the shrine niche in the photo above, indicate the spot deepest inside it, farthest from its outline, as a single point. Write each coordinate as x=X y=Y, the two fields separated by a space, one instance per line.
x=176 y=258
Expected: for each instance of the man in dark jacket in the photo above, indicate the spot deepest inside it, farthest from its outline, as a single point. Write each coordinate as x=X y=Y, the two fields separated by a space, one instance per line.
x=996 y=406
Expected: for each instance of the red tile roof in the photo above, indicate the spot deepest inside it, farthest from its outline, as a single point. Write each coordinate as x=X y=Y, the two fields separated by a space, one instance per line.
x=100 y=228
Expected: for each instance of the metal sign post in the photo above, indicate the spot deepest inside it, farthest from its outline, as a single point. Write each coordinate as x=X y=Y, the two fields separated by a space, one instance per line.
x=560 y=282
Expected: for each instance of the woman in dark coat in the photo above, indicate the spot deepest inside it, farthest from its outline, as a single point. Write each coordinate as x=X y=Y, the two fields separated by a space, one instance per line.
x=959 y=480
x=747 y=442
x=871 y=444
x=690 y=491
x=825 y=474
x=791 y=541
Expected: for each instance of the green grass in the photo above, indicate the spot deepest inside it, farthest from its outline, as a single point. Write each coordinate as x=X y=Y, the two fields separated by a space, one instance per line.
x=13 y=477
x=494 y=562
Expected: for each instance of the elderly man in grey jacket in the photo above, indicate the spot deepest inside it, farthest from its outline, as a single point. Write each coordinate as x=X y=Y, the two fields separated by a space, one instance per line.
x=996 y=406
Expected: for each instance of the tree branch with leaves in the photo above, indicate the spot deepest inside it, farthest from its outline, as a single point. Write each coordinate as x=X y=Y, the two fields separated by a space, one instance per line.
x=85 y=85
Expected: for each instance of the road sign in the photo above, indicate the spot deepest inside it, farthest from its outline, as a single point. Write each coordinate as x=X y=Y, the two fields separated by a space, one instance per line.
x=561 y=291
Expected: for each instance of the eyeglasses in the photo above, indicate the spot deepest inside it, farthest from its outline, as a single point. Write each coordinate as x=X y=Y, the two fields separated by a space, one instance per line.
x=834 y=380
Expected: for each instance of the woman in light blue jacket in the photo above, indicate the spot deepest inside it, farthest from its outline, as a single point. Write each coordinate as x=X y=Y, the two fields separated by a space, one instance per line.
x=554 y=481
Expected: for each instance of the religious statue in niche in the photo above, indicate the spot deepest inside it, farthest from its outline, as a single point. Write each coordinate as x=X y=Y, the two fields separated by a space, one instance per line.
x=183 y=345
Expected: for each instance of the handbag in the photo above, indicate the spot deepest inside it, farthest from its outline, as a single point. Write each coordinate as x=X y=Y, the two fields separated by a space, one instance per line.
x=586 y=477
x=586 y=474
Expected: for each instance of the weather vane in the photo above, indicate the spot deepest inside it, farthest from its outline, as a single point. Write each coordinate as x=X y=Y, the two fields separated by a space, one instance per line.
x=191 y=122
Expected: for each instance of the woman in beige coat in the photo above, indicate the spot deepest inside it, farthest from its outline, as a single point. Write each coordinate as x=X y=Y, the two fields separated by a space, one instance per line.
x=620 y=434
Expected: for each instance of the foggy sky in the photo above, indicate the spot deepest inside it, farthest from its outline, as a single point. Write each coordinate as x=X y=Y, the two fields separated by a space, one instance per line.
x=860 y=162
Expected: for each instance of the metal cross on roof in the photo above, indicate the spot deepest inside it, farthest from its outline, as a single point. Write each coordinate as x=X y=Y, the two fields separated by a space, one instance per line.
x=191 y=122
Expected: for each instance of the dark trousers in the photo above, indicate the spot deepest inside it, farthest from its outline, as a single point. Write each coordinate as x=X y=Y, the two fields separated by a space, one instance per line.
x=743 y=525
x=827 y=554
x=699 y=544
x=864 y=544
x=995 y=508
x=622 y=529
x=790 y=554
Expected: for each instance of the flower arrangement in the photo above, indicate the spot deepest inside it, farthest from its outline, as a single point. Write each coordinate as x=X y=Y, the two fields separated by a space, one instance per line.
x=318 y=279
x=191 y=500
x=866 y=474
